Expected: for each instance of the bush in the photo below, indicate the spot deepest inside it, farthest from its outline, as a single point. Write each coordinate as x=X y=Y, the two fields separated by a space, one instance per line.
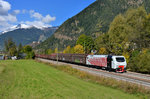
x=30 y=55
x=140 y=62
x=109 y=82
x=29 y=52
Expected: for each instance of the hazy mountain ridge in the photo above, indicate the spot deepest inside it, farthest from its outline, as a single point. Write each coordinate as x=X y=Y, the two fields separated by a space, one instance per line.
x=22 y=26
x=26 y=35
x=93 y=20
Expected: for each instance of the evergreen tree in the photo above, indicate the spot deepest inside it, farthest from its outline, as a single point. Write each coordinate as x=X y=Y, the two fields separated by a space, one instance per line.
x=20 y=48
x=10 y=47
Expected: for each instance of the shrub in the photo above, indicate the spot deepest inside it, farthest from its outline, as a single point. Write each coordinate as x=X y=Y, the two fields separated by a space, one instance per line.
x=141 y=63
x=29 y=52
x=122 y=85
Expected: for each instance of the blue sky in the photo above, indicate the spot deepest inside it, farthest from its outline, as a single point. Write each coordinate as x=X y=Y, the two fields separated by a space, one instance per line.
x=39 y=12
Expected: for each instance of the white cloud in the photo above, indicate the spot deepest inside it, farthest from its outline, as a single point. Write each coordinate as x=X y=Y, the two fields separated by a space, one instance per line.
x=36 y=15
x=48 y=19
x=4 y=7
x=15 y=12
x=2 y=19
x=39 y=19
x=9 y=19
x=6 y=18
x=31 y=12
x=4 y=26
x=37 y=24
x=24 y=11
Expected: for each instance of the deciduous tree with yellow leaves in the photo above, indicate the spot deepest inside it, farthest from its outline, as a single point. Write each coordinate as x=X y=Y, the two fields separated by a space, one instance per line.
x=78 y=49
x=67 y=50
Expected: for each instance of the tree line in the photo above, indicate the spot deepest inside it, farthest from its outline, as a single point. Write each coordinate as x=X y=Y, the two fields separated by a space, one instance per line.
x=128 y=35
x=20 y=51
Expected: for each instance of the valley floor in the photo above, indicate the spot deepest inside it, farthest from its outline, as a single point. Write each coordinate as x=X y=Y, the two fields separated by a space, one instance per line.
x=22 y=79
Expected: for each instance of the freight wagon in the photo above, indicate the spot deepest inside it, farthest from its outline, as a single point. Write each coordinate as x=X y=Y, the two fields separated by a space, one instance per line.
x=108 y=62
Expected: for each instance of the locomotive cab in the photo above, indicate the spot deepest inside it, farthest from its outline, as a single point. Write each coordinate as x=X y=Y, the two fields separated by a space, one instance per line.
x=118 y=63
x=109 y=62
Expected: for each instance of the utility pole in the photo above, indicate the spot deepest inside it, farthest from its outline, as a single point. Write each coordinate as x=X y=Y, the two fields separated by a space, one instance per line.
x=84 y=46
x=57 y=53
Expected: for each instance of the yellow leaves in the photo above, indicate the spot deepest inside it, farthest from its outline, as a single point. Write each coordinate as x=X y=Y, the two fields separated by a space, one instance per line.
x=102 y=50
x=67 y=50
x=64 y=51
x=79 y=49
x=49 y=51
x=126 y=55
x=144 y=50
x=56 y=50
x=148 y=16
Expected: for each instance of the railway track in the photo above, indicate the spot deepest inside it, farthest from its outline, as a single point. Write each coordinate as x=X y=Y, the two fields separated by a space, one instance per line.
x=137 y=78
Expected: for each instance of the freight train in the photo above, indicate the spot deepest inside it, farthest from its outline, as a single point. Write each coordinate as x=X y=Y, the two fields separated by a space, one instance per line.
x=108 y=62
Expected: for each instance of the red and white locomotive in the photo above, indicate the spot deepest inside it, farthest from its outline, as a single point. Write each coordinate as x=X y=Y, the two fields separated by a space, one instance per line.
x=117 y=63
x=109 y=62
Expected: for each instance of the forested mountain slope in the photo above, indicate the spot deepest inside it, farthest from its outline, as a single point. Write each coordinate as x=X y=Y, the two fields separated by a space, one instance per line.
x=93 y=20
x=27 y=36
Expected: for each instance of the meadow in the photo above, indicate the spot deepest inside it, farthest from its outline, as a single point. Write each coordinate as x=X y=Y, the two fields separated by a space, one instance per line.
x=28 y=79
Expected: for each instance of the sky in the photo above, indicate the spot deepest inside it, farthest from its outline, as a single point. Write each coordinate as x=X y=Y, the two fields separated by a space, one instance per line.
x=39 y=12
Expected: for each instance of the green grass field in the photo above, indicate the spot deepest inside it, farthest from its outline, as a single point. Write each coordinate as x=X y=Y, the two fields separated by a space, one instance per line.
x=27 y=79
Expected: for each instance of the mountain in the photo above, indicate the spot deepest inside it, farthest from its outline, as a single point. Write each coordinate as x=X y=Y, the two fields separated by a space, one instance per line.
x=24 y=34
x=93 y=20
x=22 y=26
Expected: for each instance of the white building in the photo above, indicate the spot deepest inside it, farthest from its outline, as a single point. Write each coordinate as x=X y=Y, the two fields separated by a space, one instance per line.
x=1 y=57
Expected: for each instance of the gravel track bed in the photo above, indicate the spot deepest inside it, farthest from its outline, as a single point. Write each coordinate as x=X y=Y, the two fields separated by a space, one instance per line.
x=137 y=78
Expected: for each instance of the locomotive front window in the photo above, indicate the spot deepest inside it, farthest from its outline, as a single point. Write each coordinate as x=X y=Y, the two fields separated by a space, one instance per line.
x=120 y=59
